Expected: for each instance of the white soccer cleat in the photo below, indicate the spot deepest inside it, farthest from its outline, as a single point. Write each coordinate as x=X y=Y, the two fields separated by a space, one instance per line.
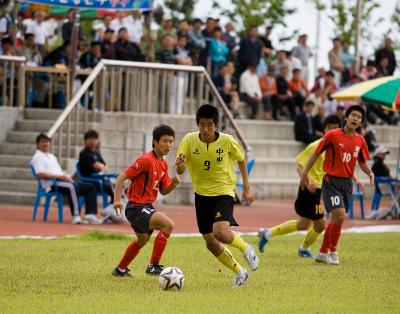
x=91 y=220
x=322 y=258
x=334 y=257
x=76 y=220
x=251 y=257
x=240 y=278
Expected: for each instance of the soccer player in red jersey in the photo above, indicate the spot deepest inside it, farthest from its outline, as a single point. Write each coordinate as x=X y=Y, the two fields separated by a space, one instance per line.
x=344 y=147
x=148 y=175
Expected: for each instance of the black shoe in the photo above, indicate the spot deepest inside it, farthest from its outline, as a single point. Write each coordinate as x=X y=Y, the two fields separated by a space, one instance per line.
x=116 y=272
x=154 y=269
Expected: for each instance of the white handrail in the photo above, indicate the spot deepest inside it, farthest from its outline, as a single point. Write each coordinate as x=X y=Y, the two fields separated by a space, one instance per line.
x=13 y=58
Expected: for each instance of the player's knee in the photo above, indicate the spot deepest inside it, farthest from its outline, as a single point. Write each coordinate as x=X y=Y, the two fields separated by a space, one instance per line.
x=142 y=241
x=169 y=226
x=319 y=226
x=303 y=225
x=223 y=236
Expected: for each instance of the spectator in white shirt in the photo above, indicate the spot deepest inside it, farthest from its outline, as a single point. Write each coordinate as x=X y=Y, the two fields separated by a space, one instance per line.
x=47 y=168
x=135 y=27
x=250 y=91
x=39 y=30
x=100 y=28
x=119 y=22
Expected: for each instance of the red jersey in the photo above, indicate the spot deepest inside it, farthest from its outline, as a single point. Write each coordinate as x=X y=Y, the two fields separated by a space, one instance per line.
x=342 y=152
x=148 y=175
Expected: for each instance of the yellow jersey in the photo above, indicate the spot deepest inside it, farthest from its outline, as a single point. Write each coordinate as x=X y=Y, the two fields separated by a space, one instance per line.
x=316 y=173
x=211 y=164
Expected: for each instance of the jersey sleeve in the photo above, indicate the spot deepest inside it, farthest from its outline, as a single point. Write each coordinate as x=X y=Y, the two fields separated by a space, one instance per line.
x=138 y=167
x=235 y=150
x=304 y=156
x=165 y=181
x=363 y=156
x=325 y=141
x=184 y=147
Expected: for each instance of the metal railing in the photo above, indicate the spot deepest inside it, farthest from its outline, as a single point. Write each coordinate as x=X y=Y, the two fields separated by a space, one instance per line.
x=138 y=87
x=10 y=67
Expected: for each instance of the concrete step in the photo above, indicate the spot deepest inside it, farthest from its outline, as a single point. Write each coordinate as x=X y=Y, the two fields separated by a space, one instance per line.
x=15 y=173
x=19 y=161
x=275 y=148
x=27 y=149
x=27 y=137
x=12 y=185
x=53 y=114
x=20 y=198
x=45 y=125
x=259 y=129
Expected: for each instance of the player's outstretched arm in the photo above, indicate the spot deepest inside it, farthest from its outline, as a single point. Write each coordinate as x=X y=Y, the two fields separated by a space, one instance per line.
x=246 y=186
x=180 y=164
x=174 y=183
x=358 y=182
x=119 y=184
x=304 y=176
x=365 y=168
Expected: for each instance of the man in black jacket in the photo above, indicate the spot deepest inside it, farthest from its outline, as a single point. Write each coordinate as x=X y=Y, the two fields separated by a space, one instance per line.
x=125 y=50
x=303 y=125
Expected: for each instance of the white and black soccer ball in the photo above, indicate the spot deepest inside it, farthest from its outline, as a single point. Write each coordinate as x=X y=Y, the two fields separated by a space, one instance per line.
x=171 y=278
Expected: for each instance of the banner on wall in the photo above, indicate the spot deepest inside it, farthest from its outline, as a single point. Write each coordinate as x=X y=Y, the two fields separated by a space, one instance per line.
x=98 y=4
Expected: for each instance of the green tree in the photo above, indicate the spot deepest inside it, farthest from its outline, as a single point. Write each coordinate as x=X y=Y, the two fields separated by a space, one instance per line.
x=180 y=7
x=255 y=12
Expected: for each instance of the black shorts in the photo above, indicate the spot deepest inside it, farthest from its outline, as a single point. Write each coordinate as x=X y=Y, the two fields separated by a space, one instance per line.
x=308 y=205
x=336 y=192
x=139 y=216
x=210 y=209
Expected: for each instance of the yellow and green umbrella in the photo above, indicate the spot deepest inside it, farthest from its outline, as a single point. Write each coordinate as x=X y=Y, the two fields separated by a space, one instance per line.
x=386 y=94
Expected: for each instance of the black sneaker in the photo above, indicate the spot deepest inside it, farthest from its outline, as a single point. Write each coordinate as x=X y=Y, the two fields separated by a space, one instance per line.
x=154 y=269
x=116 y=272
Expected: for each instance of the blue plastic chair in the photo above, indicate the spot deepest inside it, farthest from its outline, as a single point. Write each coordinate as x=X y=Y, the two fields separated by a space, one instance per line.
x=48 y=195
x=96 y=179
x=378 y=194
x=356 y=193
x=250 y=166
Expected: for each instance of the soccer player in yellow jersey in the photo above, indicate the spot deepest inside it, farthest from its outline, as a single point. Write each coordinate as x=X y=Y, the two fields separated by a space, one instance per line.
x=209 y=155
x=308 y=203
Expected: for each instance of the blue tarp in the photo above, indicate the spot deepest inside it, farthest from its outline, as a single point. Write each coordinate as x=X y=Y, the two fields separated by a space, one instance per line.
x=98 y=4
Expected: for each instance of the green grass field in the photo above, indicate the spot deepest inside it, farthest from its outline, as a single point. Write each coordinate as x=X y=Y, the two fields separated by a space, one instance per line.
x=71 y=275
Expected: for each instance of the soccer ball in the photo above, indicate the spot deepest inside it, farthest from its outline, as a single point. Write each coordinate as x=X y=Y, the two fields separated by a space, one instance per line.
x=171 y=278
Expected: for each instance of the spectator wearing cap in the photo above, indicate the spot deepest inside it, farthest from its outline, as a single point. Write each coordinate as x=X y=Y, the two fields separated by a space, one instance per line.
x=196 y=41
x=387 y=52
x=268 y=89
x=39 y=30
x=167 y=28
x=335 y=61
x=303 y=52
x=218 y=51
x=250 y=91
x=101 y=28
x=303 y=124
x=268 y=47
x=379 y=168
x=250 y=49
x=107 y=44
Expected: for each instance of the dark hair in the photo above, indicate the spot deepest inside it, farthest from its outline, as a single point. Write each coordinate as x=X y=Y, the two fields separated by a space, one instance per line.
x=330 y=73
x=217 y=29
x=181 y=35
x=28 y=35
x=309 y=102
x=7 y=40
x=371 y=63
x=42 y=136
x=332 y=119
x=95 y=43
x=355 y=108
x=336 y=39
x=66 y=44
x=90 y=134
x=161 y=130
x=121 y=30
x=296 y=71
x=207 y=112
x=109 y=30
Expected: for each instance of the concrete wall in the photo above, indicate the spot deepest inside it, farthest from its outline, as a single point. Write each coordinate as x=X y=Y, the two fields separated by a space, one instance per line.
x=8 y=116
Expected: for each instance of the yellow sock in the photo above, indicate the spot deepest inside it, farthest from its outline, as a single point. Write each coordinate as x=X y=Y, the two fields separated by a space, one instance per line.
x=310 y=238
x=238 y=242
x=285 y=228
x=229 y=261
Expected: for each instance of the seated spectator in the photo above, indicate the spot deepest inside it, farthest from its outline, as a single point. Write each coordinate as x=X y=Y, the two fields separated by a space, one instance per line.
x=268 y=89
x=107 y=44
x=369 y=136
x=298 y=89
x=124 y=49
x=47 y=168
x=379 y=168
x=303 y=125
x=283 y=101
x=223 y=82
x=318 y=121
x=59 y=55
x=92 y=57
x=369 y=72
x=7 y=45
x=30 y=51
x=218 y=51
x=282 y=61
x=250 y=91
x=196 y=41
x=166 y=53
x=383 y=67
x=91 y=161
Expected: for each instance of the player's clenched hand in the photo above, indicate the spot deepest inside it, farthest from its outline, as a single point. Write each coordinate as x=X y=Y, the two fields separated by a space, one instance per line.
x=180 y=160
x=118 y=206
x=304 y=181
x=311 y=186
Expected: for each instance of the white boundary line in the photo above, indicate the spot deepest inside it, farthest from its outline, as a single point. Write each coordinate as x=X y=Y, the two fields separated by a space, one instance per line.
x=367 y=229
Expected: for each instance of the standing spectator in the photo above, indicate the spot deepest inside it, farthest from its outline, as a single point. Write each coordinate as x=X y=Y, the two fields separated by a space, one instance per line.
x=211 y=23
x=166 y=53
x=107 y=44
x=69 y=25
x=183 y=28
x=218 y=51
x=101 y=28
x=39 y=30
x=47 y=168
x=250 y=49
x=268 y=89
x=134 y=24
x=119 y=22
x=250 y=91
x=283 y=102
x=167 y=28
x=299 y=90
x=223 y=82
x=230 y=39
x=303 y=125
x=348 y=60
x=4 y=26
x=268 y=48
x=124 y=49
x=335 y=60
x=303 y=52
x=92 y=57
x=196 y=41
x=387 y=51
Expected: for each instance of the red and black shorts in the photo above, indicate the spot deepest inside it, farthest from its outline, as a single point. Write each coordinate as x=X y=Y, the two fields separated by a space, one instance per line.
x=139 y=216
x=336 y=192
